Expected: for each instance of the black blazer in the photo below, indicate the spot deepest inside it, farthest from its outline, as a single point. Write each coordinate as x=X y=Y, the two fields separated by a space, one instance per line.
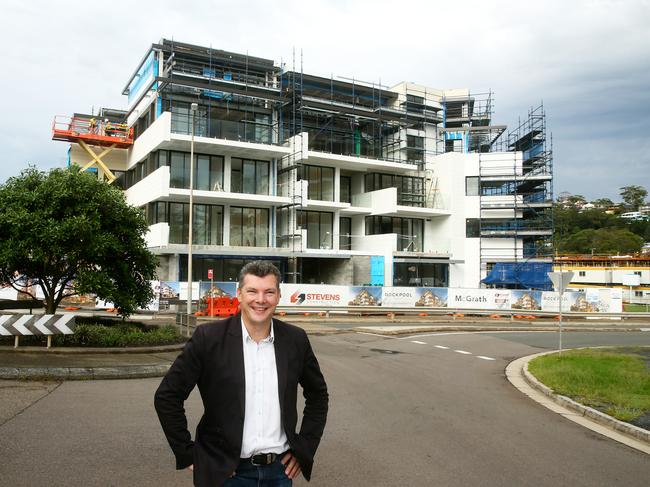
x=213 y=359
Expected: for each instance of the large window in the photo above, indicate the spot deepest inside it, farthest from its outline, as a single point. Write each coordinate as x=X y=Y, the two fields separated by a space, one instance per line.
x=410 y=231
x=250 y=177
x=222 y=269
x=472 y=228
x=208 y=170
x=414 y=148
x=421 y=274
x=345 y=233
x=207 y=225
x=410 y=190
x=321 y=181
x=319 y=228
x=249 y=227
x=346 y=189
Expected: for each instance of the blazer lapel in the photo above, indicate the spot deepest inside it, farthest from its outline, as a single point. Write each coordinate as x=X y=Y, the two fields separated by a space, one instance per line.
x=237 y=349
x=281 y=348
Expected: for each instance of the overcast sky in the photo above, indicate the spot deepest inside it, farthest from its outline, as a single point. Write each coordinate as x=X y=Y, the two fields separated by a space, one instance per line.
x=587 y=61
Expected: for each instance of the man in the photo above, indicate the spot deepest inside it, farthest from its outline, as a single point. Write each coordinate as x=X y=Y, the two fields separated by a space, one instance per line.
x=247 y=368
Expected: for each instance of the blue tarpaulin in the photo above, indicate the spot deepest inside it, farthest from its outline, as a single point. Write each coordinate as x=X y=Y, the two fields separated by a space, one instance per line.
x=527 y=275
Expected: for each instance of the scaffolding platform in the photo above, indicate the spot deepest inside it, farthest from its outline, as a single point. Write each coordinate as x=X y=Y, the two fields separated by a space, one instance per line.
x=92 y=132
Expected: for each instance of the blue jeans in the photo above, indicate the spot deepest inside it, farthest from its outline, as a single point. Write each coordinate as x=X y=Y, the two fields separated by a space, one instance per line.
x=248 y=475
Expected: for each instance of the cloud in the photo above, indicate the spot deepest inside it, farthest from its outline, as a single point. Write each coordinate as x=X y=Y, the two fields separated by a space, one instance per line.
x=588 y=61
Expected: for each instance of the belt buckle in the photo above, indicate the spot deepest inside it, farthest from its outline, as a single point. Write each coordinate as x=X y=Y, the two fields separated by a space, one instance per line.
x=267 y=457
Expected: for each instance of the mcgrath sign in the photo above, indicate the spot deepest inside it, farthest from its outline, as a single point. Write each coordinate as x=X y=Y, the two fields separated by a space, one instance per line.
x=479 y=298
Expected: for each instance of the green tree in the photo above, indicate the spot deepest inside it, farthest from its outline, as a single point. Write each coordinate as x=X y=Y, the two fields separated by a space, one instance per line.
x=603 y=241
x=634 y=196
x=603 y=203
x=71 y=234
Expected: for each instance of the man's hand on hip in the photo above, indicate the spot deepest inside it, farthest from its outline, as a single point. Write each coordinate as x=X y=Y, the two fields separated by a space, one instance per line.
x=292 y=467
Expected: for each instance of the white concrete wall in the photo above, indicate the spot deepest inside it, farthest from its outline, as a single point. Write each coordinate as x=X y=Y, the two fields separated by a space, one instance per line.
x=382 y=201
x=151 y=188
x=451 y=169
x=156 y=134
x=157 y=235
x=617 y=275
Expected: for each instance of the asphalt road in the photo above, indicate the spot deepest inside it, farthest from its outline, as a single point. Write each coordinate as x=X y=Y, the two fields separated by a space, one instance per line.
x=426 y=410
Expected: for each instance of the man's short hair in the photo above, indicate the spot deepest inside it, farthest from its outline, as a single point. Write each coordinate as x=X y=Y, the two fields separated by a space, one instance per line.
x=259 y=268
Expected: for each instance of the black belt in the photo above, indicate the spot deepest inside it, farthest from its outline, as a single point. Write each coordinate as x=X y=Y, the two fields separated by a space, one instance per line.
x=262 y=459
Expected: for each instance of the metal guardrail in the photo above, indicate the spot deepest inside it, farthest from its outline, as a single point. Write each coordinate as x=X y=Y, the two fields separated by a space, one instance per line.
x=454 y=312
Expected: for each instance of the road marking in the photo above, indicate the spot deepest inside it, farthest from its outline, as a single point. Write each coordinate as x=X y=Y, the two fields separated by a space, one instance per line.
x=437 y=334
x=463 y=352
x=419 y=343
x=442 y=347
x=485 y=358
x=645 y=329
x=376 y=335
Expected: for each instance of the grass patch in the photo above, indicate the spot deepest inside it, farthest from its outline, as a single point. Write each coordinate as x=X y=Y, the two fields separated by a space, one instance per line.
x=614 y=381
x=98 y=332
x=635 y=308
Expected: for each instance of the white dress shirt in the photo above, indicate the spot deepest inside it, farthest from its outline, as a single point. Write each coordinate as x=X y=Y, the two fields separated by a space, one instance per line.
x=263 y=431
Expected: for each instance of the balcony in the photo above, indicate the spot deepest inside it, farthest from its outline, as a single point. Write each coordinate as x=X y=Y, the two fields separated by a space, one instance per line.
x=245 y=140
x=385 y=202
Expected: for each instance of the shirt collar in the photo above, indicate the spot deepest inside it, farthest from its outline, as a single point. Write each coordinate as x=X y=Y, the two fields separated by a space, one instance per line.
x=247 y=337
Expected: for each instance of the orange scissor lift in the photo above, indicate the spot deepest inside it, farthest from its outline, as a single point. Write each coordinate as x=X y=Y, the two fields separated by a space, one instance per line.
x=87 y=132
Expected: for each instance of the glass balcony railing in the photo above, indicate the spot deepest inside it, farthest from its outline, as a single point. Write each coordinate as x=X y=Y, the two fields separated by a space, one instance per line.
x=244 y=131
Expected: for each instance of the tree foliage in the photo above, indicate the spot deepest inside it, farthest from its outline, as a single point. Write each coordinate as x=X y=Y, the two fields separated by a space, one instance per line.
x=583 y=231
x=603 y=241
x=72 y=234
x=633 y=195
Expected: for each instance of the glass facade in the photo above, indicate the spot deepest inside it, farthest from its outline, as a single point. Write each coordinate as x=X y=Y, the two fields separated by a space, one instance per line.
x=223 y=270
x=345 y=233
x=421 y=274
x=220 y=119
x=346 y=189
x=319 y=228
x=321 y=181
x=207 y=225
x=410 y=231
x=248 y=176
x=410 y=190
x=208 y=170
x=249 y=227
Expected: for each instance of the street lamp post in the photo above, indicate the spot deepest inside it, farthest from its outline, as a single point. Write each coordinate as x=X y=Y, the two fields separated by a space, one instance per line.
x=193 y=109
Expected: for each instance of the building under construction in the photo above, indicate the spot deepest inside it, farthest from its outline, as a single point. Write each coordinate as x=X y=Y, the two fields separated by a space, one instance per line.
x=336 y=180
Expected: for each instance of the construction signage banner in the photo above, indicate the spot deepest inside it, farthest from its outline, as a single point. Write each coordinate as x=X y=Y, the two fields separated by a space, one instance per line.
x=410 y=297
x=479 y=298
x=314 y=295
x=591 y=300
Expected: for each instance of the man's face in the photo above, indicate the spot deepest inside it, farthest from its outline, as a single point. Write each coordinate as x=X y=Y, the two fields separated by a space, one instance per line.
x=258 y=298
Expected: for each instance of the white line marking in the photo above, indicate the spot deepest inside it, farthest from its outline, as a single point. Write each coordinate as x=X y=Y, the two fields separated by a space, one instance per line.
x=645 y=329
x=485 y=358
x=442 y=347
x=463 y=352
x=376 y=335
x=438 y=334
x=419 y=343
